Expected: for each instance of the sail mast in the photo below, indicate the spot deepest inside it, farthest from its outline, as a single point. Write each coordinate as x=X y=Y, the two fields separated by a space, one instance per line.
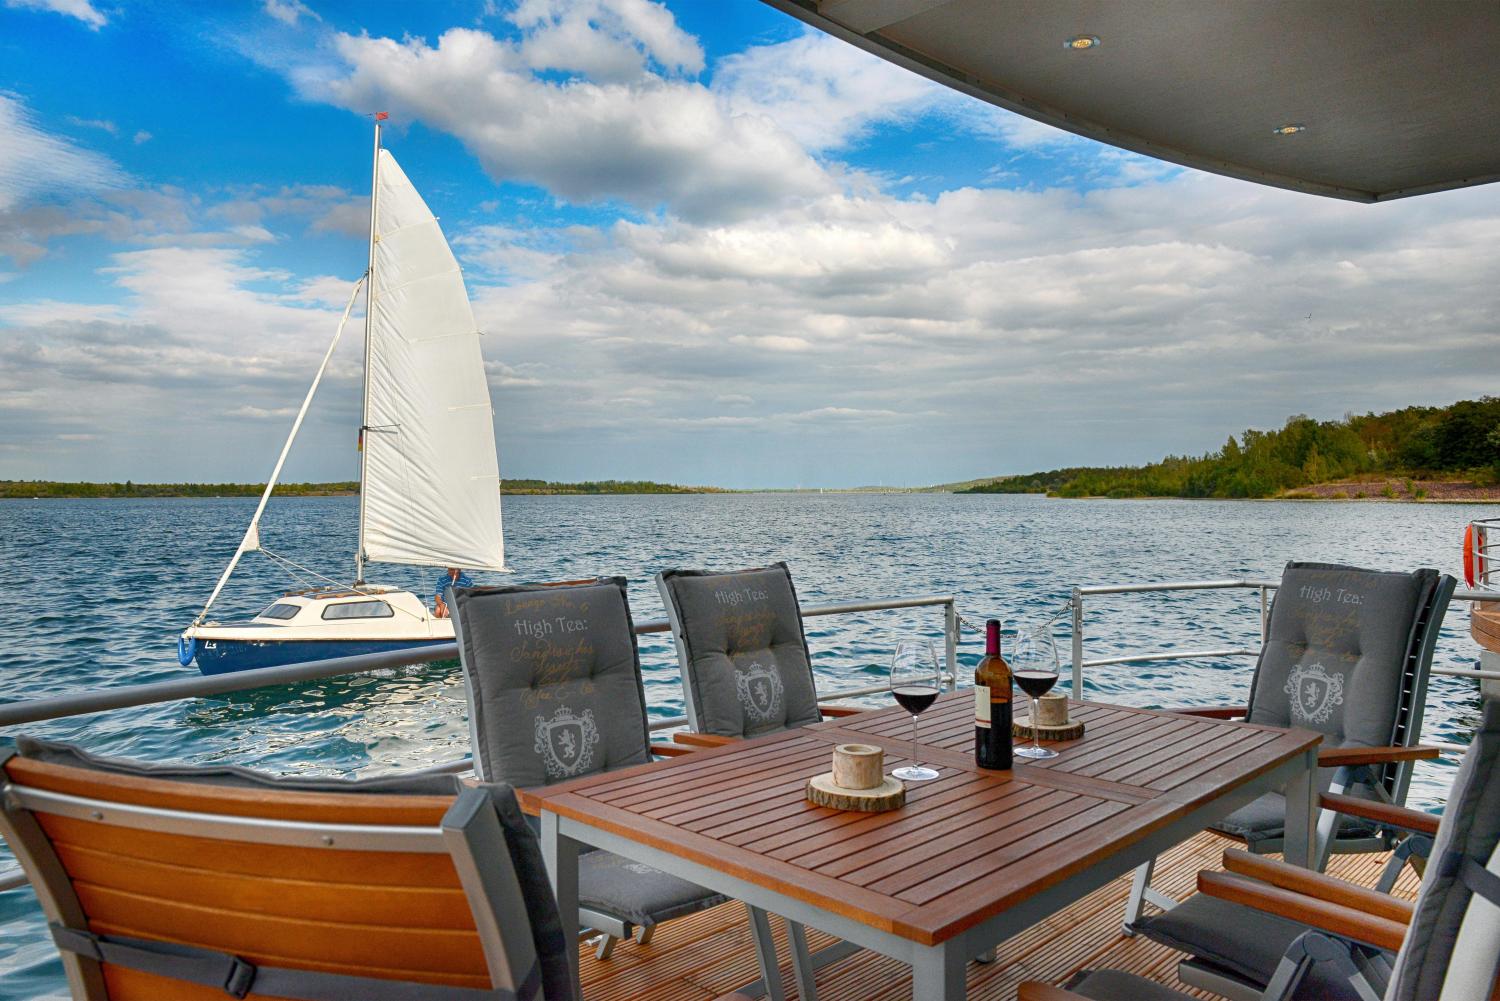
x=251 y=541
x=364 y=421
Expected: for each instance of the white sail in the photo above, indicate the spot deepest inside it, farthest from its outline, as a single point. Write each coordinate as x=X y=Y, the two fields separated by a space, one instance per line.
x=432 y=481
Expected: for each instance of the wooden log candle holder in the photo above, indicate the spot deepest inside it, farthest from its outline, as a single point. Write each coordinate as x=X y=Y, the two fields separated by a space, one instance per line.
x=1053 y=716
x=857 y=782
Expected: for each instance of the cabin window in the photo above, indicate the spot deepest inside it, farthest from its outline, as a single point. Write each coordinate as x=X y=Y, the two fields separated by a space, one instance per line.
x=281 y=610
x=359 y=610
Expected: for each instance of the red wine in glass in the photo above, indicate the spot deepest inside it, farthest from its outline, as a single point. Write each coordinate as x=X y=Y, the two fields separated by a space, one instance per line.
x=1035 y=683
x=915 y=698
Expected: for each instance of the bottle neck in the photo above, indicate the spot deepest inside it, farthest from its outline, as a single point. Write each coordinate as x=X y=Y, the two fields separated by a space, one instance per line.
x=992 y=638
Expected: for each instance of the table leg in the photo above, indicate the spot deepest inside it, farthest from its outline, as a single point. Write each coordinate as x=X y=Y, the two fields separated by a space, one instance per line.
x=1300 y=833
x=765 y=954
x=802 y=962
x=561 y=855
x=938 y=974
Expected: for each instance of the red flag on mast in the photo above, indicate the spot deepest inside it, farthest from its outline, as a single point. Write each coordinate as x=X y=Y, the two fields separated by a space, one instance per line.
x=381 y=116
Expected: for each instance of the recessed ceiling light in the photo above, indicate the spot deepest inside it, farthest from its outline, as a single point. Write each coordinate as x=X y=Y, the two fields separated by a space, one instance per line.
x=1289 y=130
x=1082 y=43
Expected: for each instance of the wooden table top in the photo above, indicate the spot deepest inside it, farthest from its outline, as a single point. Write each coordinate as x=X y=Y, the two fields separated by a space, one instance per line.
x=966 y=845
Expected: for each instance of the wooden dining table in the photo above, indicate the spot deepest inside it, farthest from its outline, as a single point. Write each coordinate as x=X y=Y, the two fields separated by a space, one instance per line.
x=973 y=857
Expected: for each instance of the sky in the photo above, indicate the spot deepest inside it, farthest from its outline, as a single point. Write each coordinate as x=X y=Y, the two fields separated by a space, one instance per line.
x=705 y=245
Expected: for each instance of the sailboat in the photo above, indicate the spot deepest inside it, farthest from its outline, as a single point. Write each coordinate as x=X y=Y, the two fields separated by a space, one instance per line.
x=429 y=477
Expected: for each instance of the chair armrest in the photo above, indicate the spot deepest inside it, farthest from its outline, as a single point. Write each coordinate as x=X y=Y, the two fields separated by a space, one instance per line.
x=1032 y=990
x=671 y=750
x=836 y=711
x=1333 y=918
x=1316 y=884
x=703 y=739
x=1214 y=712
x=1332 y=757
x=1383 y=813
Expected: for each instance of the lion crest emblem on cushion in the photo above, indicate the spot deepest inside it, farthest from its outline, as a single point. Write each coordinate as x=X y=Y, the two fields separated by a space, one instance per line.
x=566 y=742
x=1315 y=693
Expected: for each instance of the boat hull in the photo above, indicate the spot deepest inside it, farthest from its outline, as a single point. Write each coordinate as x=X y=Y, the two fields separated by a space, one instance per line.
x=223 y=656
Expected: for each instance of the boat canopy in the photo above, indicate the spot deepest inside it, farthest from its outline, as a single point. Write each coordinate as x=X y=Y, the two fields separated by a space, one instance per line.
x=1343 y=98
x=431 y=477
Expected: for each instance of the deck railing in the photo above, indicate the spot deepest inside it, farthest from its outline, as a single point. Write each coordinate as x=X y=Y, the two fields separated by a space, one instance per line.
x=1263 y=588
x=128 y=696
x=1486 y=567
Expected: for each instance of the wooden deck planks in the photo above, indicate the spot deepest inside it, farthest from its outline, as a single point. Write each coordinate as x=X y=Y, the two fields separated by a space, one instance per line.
x=708 y=955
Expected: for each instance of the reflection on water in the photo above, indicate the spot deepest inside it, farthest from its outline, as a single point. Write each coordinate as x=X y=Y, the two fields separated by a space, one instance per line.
x=93 y=593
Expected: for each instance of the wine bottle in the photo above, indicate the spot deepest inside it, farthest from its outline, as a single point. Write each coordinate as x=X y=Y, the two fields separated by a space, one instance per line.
x=992 y=743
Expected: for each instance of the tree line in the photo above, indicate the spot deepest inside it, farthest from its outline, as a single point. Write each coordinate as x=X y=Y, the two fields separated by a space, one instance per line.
x=50 y=488
x=1460 y=440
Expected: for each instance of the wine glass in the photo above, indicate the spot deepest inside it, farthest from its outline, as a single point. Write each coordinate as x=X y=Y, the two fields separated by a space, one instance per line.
x=1033 y=665
x=916 y=681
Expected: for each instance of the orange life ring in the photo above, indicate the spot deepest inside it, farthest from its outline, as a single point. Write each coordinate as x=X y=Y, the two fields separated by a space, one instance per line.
x=1469 y=554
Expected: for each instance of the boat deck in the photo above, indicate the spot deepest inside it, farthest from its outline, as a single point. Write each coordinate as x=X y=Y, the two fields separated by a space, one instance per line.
x=708 y=955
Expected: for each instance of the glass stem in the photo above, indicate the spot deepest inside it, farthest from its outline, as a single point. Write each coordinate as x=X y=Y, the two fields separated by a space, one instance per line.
x=1036 y=722
x=914 y=763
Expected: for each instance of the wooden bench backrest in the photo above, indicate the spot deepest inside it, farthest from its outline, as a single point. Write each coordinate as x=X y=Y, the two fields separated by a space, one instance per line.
x=397 y=914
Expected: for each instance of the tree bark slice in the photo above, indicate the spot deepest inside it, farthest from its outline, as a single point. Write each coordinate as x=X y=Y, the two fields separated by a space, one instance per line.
x=889 y=795
x=1022 y=728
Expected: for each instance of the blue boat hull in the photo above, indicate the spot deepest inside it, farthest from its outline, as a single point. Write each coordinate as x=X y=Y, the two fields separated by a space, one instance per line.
x=226 y=656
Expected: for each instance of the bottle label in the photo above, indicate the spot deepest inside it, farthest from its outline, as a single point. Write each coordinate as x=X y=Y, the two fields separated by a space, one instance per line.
x=981 y=705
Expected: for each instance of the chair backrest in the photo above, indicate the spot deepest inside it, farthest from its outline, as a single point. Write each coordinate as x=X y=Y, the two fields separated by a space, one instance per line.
x=1347 y=653
x=1452 y=948
x=553 y=679
x=745 y=663
x=172 y=881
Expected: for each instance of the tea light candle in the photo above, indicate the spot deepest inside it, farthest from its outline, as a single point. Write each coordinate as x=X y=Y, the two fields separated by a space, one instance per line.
x=1052 y=709
x=858 y=766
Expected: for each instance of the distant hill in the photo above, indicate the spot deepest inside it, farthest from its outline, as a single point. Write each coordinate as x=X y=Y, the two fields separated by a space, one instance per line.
x=47 y=488
x=1415 y=443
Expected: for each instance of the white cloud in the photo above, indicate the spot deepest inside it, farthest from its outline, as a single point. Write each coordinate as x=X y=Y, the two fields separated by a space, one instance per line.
x=83 y=10
x=102 y=124
x=288 y=12
x=650 y=141
x=33 y=161
x=606 y=40
x=141 y=137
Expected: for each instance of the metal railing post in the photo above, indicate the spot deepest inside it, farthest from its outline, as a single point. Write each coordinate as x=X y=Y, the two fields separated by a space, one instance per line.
x=950 y=640
x=1077 y=603
x=1265 y=614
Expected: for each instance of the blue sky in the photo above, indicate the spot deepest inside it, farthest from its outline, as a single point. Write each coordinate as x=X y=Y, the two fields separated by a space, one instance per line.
x=705 y=245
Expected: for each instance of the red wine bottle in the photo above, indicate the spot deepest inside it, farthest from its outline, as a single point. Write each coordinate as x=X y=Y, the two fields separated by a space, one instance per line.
x=992 y=744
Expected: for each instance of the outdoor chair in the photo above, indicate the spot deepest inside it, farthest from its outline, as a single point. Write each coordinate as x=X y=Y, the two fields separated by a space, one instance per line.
x=193 y=883
x=553 y=678
x=746 y=669
x=1347 y=653
x=1446 y=945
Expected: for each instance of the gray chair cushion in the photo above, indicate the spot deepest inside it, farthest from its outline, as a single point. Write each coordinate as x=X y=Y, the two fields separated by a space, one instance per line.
x=743 y=653
x=1114 y=985
x=1470 y=829
x=552 y=945
x=59 y=753
x=1240 y=940
x=636 y=892
x=553 y=679
x=1264 y=819
x=1338 y=648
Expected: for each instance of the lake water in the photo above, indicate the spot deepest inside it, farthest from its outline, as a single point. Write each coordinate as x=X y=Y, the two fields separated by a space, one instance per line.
x=93 y=593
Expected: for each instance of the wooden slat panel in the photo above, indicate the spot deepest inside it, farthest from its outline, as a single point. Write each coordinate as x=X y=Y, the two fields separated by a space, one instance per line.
x=331 y=865
x=372 y=903
x=258 y=935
